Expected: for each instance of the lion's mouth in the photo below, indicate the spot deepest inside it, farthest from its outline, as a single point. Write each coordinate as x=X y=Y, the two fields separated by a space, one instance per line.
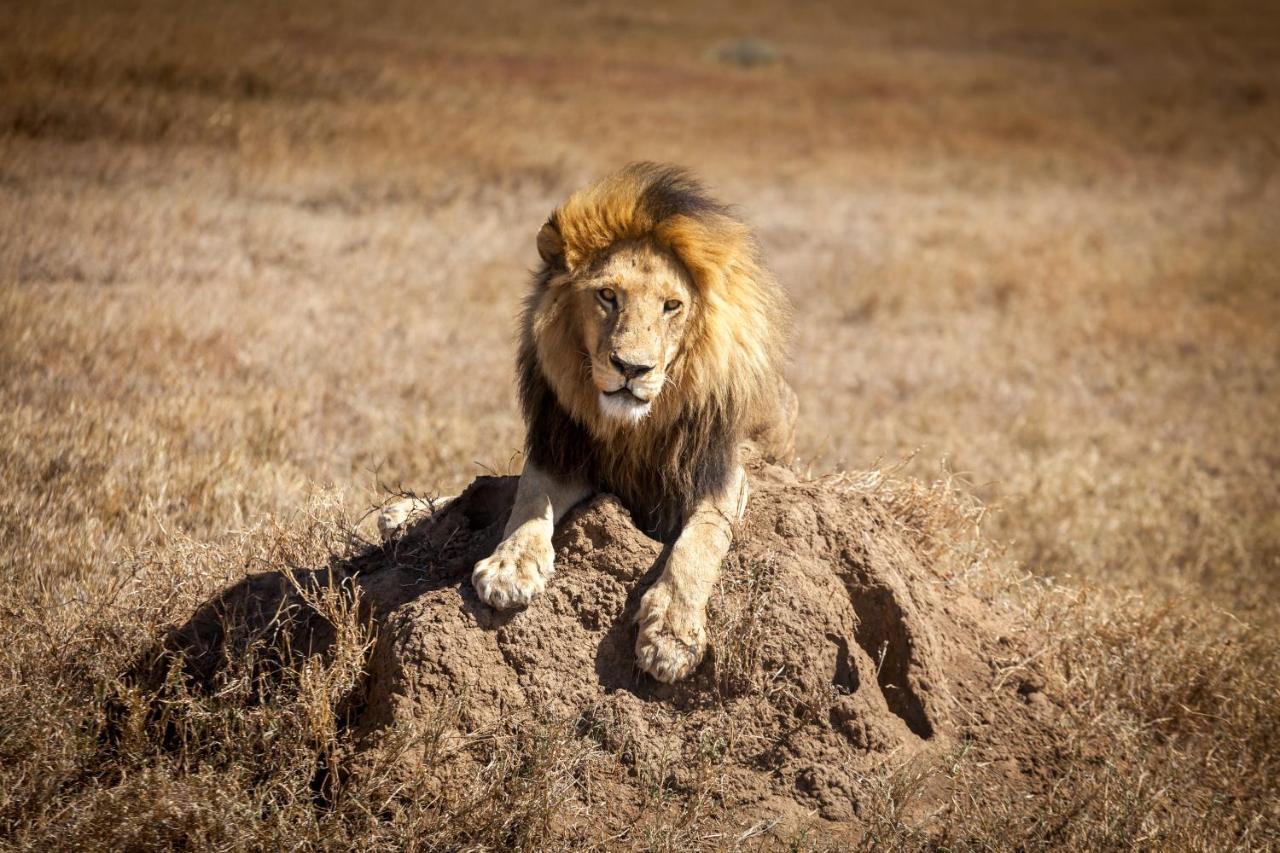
x=625 y=394
x=624 y=405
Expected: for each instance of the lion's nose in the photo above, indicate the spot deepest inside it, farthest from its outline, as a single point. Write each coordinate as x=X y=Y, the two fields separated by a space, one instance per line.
x=627 y=369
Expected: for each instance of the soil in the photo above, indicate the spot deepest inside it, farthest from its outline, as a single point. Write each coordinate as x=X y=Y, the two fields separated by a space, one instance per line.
x=836 y=650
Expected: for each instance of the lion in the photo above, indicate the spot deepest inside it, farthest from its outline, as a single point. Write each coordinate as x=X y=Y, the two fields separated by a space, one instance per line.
x=650 y=367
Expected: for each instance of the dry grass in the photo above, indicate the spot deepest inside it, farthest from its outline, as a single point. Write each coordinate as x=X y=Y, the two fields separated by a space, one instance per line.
x=249 y=254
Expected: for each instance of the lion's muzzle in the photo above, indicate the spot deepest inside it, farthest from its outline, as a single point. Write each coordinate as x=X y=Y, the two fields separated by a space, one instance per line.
x=629 y=370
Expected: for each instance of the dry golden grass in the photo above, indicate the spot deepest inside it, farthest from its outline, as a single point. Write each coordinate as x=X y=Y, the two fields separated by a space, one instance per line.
x=255 y=260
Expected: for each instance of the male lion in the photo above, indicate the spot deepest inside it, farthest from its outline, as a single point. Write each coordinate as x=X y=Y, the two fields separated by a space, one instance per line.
x=649 y=362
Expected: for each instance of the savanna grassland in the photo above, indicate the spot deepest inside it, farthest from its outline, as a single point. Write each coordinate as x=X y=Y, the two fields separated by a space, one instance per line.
x=260 y=266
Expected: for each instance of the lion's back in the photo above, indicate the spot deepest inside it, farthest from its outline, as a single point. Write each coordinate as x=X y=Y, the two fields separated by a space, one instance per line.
x=773 y=436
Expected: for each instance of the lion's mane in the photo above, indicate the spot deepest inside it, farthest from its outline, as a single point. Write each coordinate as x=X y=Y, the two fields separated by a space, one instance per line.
x=722 y=387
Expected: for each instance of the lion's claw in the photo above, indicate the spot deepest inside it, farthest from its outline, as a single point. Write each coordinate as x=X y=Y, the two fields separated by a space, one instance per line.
x=671 y=639
x=514 y=574
x=666 y=658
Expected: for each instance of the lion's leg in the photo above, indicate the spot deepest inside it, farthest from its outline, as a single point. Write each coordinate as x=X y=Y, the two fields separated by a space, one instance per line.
x=672 y=636
x=524 y=560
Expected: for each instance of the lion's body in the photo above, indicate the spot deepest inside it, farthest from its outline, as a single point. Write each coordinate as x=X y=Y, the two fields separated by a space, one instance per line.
x=650 y=360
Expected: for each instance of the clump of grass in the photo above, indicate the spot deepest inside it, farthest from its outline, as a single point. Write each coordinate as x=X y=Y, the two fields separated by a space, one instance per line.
x=747 y=52
x=106 y=743
x=737 y=626
x=1165 y=738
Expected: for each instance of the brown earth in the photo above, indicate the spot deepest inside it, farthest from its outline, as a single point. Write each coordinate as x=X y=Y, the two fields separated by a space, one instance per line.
x=836 y=650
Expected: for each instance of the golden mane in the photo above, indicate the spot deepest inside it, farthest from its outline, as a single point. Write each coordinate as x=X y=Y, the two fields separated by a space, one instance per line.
x=726 y=380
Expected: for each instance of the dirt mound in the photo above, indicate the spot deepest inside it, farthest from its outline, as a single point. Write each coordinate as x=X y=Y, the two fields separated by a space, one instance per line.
x=834 y=650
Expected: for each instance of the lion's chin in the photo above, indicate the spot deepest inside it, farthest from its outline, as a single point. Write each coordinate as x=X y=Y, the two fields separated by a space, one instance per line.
x=624 y=407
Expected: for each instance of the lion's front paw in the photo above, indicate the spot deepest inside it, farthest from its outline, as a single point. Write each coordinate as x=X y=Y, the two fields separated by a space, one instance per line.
x=517 y=570
x=672 y=637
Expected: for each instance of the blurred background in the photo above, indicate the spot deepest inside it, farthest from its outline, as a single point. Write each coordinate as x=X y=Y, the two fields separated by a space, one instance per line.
x=251 y=247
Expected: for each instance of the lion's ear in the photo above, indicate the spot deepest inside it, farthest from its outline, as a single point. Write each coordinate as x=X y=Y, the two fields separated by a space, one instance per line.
x=551 y=244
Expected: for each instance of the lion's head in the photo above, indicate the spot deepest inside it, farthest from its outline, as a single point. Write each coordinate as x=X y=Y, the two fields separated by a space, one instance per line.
x=632 y=308
x=652 y=336
x=651 y=297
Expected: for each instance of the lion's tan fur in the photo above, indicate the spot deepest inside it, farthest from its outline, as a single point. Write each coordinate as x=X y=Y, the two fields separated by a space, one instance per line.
x=727 y=377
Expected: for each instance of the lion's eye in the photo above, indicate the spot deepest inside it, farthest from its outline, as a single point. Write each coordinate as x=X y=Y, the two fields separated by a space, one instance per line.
x=607 y=296
x=671 y=306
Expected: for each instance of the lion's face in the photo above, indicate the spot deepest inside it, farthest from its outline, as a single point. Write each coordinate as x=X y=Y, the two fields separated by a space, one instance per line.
x=633 y=305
